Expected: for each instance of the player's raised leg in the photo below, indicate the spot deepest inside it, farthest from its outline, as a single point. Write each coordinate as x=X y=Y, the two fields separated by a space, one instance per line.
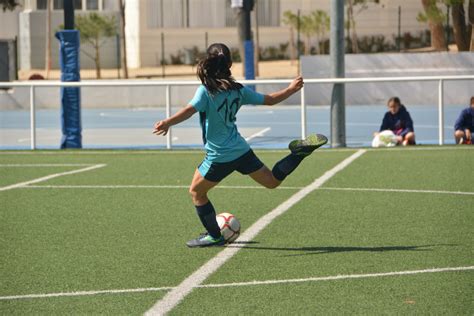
x=299 y=150
x=206 y=212
x=264 y=176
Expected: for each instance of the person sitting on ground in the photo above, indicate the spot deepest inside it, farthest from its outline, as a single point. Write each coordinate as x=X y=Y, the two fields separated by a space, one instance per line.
x=398 y=120
x=464 y=125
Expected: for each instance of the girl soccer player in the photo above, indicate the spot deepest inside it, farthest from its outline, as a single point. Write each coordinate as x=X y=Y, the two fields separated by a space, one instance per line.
x=217 y=100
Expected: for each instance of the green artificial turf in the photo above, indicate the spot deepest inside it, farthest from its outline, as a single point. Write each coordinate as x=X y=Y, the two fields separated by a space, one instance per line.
x=13 y=175
x=447 y=293
x=81 y=239
x=101 y=304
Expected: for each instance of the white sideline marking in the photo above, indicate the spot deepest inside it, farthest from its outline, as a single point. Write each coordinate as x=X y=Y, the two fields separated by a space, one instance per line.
x=265 y=282
x=338 y=277
x=51 y=176
x=147 y=187
x=399 y=190
x=252 y=187
x=172 y=298
x=198 y=151
x=84 y=293
x=258 y=134
x=47 y=165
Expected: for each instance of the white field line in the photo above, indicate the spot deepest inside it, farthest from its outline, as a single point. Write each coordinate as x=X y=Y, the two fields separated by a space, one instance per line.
x=51 y=176
x=176 y=295
x=258 y=134
x=264 y=282
x=338 y=277
x=84 y=293
x=151 y=152
x=198 y=151
x=399 y=190
x=252 y=187
x=47 y=165
x=147 y=187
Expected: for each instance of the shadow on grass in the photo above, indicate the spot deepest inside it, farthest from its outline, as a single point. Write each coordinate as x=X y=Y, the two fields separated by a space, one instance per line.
x=328 y=250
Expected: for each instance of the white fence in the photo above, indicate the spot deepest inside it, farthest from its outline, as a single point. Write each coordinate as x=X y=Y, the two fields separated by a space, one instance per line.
x=168 y=84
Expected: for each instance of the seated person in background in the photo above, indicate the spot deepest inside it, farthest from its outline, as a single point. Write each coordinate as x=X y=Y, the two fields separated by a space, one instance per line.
x=464 y=125
x=398 y=120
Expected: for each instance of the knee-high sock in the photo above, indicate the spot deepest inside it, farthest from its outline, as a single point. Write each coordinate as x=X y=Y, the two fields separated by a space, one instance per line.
x=286 y=166
x=207 y=215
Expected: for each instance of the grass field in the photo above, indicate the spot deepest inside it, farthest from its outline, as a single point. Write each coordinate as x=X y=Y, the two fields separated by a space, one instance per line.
x=94 y=232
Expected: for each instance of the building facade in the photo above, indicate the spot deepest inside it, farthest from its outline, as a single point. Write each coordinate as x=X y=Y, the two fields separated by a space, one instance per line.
x=169 y=28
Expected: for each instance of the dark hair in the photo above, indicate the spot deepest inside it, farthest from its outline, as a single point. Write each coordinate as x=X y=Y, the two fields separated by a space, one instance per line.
x=472 y=100
x=214 y=69
x=394 y=99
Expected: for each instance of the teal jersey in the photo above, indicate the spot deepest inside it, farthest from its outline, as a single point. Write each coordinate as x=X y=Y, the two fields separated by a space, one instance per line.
x=217 y=114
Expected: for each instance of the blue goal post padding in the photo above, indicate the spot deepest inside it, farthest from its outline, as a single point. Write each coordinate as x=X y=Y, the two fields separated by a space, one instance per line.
x=70 y=96
x=249 y=62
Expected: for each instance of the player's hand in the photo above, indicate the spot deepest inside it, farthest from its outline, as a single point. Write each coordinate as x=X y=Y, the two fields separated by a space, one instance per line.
x=296 y=85
x=468 y=134
x=161 y=128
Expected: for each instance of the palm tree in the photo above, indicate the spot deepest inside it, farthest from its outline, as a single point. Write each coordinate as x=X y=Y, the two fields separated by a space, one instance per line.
x=321 y=24
x=291 y=19
x=308 y=29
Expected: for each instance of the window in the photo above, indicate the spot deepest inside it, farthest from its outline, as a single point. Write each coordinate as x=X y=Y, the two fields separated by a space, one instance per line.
x=92 y=5
x=41 y=4
x=78 y=4
x=166 y=13
x=59 y=4
x=268 y=12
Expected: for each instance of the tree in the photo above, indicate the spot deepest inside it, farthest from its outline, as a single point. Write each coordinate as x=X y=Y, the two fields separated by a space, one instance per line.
x=94 y=29
x=462 y=30
x=9 y=5
x=124 y=42
x=291 y=19
x=321 y=24
x=471 y=22
x=315 y=23
x=435 y=17
x=351 y=24
x=462 y=24
x=308 y=30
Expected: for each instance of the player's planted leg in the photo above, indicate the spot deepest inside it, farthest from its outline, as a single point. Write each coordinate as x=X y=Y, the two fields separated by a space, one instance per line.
x=213 y=237
x=206 y=212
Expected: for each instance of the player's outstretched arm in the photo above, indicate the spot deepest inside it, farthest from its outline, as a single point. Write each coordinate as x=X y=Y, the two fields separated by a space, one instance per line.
x=161 y=127
x=277 y=97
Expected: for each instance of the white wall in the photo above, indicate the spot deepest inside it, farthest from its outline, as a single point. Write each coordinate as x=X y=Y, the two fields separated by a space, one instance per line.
x=9 y=24
x=393 y=65
x=33 y=42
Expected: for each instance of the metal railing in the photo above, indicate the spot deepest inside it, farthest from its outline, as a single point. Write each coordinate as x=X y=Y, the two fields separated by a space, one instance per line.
x=168 y=84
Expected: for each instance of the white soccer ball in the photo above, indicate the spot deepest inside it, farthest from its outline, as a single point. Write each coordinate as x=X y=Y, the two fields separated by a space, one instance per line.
x=229 y=225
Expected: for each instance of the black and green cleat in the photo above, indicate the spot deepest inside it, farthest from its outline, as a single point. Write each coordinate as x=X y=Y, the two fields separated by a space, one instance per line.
x=304 y=147
x=206 y=240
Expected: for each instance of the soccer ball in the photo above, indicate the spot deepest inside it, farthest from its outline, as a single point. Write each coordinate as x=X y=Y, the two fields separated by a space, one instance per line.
x=229 y=225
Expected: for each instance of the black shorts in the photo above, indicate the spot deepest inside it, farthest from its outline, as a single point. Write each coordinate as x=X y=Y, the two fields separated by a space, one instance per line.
x=216 y=171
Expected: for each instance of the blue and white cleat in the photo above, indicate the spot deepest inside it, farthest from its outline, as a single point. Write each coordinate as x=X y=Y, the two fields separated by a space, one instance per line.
x=206 y=240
